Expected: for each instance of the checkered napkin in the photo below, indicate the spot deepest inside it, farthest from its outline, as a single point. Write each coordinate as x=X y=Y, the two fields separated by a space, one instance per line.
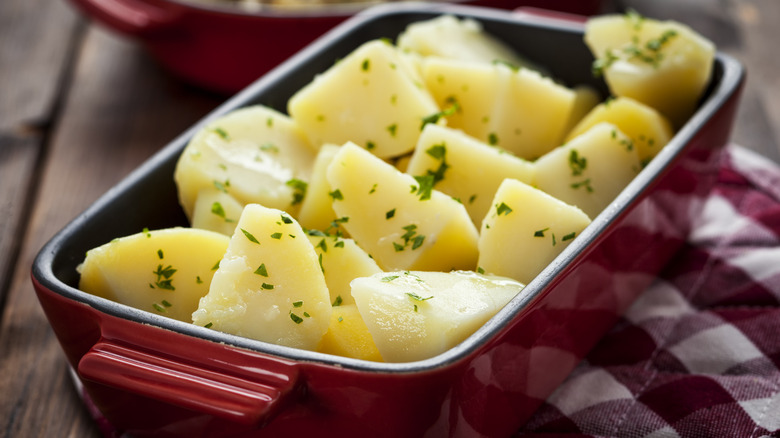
x=698 y=355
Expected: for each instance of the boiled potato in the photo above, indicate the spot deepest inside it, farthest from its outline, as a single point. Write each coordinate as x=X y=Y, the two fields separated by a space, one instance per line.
x=466 y=168
x=648 y=129
x=269 y=285
x=525 y=230
x=591 y=169
x=253 y=153
x=401 y=222
x=517 y=110
x=348 y=335
x=316 y=211
x=373 y=97
x=585 y=99
x=162 y=271
x=416 y=315
x=342 y=260
x=663 y=64
x=217 y=211
x=463 y=39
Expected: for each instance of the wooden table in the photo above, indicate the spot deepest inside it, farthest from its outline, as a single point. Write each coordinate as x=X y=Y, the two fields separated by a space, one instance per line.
x=81 y=107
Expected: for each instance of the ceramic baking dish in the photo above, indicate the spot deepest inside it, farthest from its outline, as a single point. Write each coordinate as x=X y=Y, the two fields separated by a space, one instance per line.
x=149 y=375
x=223 y=47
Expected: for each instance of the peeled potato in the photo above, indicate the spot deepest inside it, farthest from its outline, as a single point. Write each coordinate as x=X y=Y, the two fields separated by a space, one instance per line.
x=163 y=271
x=416 y=315
x=401 y=222
x=348 y=335
x=269 y=285
x=663 y=64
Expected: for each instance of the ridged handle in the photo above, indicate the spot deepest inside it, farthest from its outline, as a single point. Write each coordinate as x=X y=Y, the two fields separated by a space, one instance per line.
x=186 y=385
x=134 y=17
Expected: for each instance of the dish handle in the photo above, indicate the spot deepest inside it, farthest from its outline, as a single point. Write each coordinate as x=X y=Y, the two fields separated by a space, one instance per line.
x=189 y=386
x=133 y=17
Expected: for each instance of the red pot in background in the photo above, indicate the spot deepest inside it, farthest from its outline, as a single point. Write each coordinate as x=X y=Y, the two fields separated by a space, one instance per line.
x=148 y=375
x=224 y=48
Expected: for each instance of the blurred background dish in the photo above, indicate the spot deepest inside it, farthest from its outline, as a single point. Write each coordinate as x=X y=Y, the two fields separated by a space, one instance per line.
x=223 y=45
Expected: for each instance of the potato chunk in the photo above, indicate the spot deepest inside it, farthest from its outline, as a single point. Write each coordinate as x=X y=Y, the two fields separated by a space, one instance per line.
x=663 y=64
x=448 y=37
x=525 y=230
x=316 y=211
x=401 y=222
x=648 y=129
x=217 y=211
x=269 y=285
x=466 y=168
x=342 y=261
x=416 y=315
x=251 y=154
x=518 y=110
x=591 y=169
x=163 y=271
x=371 y=97
x=348 y=335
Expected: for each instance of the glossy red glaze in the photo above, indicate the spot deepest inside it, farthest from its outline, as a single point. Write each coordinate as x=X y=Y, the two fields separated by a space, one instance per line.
x=224 y=49
x=152 y=376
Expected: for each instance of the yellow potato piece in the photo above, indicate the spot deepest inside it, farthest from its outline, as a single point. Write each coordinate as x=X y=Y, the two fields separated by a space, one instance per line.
x=348 y=336
x=525 y=230
x=251 y=153
x=163 y=271
x=342 y=261
x=469 y=169
x=395 y=219
x=518 y=110
x=663 y=64
x=316 y=211
x=463 y=39
x=372 y=97
x=269 y=285
x=217 y=211
x=648 y=129
x=414 y=315
x=591 y=169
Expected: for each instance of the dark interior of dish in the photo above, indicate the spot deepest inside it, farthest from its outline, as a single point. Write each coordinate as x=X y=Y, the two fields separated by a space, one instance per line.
x=148 y=197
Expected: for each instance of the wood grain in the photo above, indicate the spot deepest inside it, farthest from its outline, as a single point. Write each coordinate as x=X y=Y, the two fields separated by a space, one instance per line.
x=121 y=109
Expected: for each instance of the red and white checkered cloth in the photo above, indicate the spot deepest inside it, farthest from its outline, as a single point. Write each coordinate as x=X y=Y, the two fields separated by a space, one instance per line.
x=698 y=355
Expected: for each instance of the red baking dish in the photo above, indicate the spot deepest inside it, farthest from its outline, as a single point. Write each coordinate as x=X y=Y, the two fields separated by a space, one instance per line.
x=153 y=376
x=222 y=47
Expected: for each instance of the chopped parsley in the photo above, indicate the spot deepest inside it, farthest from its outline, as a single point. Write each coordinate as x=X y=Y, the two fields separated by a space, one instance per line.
x=222 y=133
x=299 y=189
x=276 y=236
x=365 y=65
x=492 y=139
x=262 y=270
x=584 y=183
x=297 y=304
x=390 y=214
x=425 y=187
x=373 y=189
x=389 y=278
x=269 y=147
x=540 y=233
x=249 y=236
x=164 y=280
x=222 y=186
x=337 y=302
x=296 y=319
x=416 y=297
x=503 y=209
x=392 y=129
x=453 y=107
x=160 y=254
x=267 y=286
x=217 y=209
x=336 y=195
x=577 y=164
x=209 y=325
x=438 y=152
x=569 y=236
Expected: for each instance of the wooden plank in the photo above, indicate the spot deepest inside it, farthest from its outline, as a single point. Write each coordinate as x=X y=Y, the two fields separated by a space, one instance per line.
x=37 y=37
x=121 y=109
